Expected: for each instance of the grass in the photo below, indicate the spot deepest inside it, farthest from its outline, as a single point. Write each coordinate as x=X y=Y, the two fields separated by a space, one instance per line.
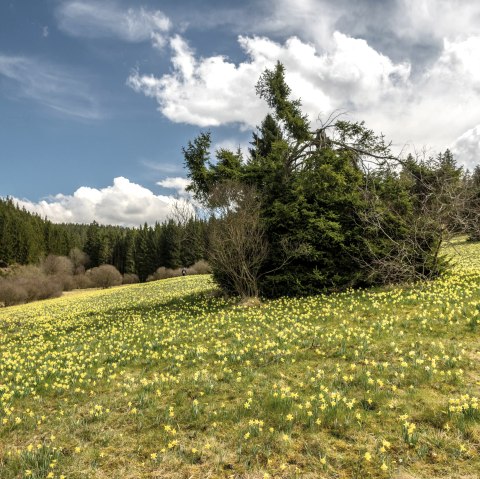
x=167 y=380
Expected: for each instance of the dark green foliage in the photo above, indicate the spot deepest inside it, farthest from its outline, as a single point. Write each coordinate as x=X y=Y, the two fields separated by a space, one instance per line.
x=314 y=210
x=93 y=245
x=471 y=184
x=171 y=246
x=320 y=204
x=144 y=253
x=26 y=238
x=275 y=91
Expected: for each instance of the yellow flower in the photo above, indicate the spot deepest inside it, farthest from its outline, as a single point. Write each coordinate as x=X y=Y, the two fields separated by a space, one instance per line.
x=367 y=456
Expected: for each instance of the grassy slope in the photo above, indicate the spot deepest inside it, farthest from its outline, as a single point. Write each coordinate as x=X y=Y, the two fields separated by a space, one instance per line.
x=164 y=380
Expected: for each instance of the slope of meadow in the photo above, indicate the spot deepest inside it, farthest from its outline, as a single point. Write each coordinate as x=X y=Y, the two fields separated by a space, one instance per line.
x=166 y=380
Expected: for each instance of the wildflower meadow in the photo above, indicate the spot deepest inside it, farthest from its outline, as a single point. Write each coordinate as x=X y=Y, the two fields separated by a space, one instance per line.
x=169 y=380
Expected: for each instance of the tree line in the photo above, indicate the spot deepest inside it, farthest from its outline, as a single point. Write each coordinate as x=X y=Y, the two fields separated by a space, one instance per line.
x=26 y=238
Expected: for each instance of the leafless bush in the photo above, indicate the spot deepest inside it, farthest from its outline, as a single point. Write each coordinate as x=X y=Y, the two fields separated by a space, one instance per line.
x=130 y=278
x=11 y=293
x=105 y=276
x=238 y=244
x=79 y=259
x=200 y=267
x=26 y=271
x=82 y=281
x=60 y=265
x=164 y=273
x=40 y=287
x=67 y=281
x=18 y=289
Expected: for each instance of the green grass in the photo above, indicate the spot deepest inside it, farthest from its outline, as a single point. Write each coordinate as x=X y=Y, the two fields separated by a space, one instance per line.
x=167 y=380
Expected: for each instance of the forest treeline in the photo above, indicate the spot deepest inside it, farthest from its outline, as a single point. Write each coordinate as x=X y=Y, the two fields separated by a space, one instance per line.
x=27 y=238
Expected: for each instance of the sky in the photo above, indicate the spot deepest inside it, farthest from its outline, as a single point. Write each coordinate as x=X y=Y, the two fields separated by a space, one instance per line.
x=97 y=98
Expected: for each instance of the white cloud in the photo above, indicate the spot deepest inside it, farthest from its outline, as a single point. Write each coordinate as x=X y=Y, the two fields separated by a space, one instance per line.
x=178 y=184
x=50 y=86
x=231 y=144
x=45 y=32
x=204 y=92
x=214 y=91
x=123 y=203
x=431 y=109
x=106 y=19
x=467 y=147
x=443 y=102
x=418 y=19
x=417 y=23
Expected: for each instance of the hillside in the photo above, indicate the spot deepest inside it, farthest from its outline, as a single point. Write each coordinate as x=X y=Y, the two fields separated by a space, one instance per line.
x=167 y=380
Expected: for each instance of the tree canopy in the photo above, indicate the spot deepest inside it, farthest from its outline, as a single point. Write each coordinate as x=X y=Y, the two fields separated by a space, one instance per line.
x=328 y=216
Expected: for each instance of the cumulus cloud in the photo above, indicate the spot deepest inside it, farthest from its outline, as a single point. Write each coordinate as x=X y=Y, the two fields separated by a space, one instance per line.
x=400 y=29
x=178 y=184
x=467 y=147
x=431 y=109
x=124 y=203
x=107 y=19
x=214 y=91
x=50 y=86
x=445 y=100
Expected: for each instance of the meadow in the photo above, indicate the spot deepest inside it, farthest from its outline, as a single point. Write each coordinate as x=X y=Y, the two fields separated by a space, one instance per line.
x=169 y=380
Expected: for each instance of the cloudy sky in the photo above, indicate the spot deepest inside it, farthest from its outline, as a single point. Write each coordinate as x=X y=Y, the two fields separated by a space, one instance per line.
x=97 y=98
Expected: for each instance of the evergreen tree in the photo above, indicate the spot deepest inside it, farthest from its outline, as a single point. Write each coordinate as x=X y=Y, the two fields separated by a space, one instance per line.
x=313 y=192
x=171 y=246
x=93 y=244
x=143 y=253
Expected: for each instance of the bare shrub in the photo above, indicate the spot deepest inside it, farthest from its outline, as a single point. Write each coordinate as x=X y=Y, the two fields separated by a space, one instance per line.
x=79 y=260
x=61 y=265
x=82 y=281
x=105 y=276
x=26 y=271
x=130 y=278
x=67 y=281
x=200 y=267
x=164 y=273
x=39 y=287
x=238 y=243
x=11 y=293
x=47 y=287
x=22 y=288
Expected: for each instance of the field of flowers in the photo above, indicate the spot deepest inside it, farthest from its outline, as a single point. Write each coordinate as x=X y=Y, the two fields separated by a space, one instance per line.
x=168 y=380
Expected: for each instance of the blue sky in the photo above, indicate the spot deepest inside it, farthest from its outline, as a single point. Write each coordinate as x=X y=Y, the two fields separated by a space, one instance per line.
x=97 y=98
